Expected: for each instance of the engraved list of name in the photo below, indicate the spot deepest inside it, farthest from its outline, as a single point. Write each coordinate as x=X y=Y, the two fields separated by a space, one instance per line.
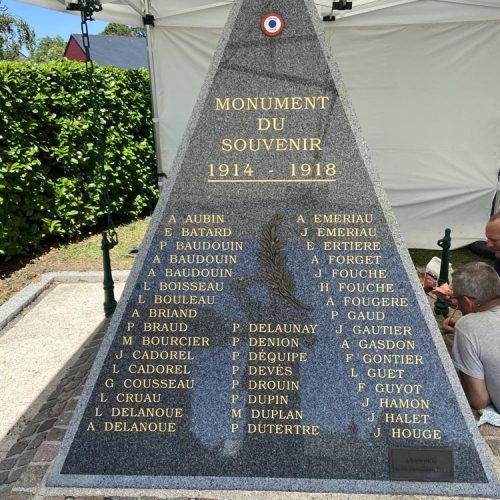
x=380 y=355
x=152 y=367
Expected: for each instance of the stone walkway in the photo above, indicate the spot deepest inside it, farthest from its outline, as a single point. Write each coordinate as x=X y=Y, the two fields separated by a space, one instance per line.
x=27 y=462
x=23 y=470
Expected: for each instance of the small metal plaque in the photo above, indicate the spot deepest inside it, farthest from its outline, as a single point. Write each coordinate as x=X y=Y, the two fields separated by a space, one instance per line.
x=421 y=464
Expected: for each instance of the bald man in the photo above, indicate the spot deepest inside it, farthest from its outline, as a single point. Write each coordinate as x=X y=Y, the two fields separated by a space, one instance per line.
x=492 y=232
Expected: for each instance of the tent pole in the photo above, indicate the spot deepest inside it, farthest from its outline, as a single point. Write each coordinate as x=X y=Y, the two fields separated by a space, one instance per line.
x=154 y=101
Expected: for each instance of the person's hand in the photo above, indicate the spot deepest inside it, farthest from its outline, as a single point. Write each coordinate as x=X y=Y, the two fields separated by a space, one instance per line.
x=445 y=293
x=448 y=325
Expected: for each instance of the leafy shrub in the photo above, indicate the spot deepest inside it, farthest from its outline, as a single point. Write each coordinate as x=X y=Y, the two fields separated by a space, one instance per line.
x=51 y=183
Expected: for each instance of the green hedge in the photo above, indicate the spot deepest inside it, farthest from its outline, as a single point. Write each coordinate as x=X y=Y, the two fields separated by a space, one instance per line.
x=50 y=180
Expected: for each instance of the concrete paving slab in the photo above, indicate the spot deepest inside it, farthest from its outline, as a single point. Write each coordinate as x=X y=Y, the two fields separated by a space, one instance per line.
x=40 y=344
x=12 y=308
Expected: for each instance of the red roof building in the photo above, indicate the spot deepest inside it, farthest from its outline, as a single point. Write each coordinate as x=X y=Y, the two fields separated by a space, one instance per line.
x=120 y=51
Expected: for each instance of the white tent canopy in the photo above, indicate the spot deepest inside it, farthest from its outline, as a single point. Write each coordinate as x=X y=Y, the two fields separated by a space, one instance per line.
x=423 y=77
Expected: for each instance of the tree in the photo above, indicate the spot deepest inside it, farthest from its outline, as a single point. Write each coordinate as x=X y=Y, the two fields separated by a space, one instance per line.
x=48 y=49
x=15 y=33
x=115 y=29
x=138 y=32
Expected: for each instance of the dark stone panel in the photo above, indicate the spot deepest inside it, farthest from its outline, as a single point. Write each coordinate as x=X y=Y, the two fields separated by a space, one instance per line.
x=273 y=333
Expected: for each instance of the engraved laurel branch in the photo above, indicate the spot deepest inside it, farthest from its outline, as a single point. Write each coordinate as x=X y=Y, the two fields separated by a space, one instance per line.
x=273 y=261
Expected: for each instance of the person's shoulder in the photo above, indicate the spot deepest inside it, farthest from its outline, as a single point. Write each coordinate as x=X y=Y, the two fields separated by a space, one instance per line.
x=470 y=322
x=495 y=311
x=466 y=322
x=472 y=319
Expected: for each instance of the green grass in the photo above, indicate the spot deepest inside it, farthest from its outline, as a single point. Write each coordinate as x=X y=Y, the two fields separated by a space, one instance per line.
x=129 y=237
x=458 y=257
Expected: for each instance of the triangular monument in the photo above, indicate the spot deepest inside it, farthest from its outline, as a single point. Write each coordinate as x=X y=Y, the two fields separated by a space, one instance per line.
x=273 y=334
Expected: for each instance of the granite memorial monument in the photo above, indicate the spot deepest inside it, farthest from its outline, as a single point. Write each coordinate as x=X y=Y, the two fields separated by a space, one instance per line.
x=273 y=334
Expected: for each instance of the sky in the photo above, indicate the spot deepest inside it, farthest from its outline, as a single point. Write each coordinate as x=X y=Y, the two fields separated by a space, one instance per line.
x=48 y=22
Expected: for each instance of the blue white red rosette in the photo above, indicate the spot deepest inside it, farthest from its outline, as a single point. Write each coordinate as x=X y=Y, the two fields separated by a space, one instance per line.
x=272 y=24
